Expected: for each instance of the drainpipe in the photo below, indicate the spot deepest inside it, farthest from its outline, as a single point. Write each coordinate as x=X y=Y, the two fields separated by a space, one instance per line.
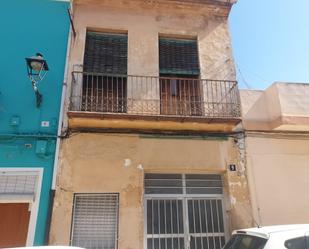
x=63 y=96
x=56 y=161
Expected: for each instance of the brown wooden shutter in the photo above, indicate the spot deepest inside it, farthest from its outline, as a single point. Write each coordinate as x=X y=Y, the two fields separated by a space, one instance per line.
x=178 y=57
x=106 y=53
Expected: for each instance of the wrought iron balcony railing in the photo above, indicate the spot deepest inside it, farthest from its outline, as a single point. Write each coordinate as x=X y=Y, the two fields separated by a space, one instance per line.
x=154 y=96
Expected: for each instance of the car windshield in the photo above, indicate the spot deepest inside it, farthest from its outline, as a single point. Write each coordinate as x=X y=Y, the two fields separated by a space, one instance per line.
x=242 y=241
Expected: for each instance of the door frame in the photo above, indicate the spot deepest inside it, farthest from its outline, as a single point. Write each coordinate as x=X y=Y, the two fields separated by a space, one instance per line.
x=34 y=203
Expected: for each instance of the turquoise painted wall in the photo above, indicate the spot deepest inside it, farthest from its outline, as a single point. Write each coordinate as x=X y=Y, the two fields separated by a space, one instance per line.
x=27 y=27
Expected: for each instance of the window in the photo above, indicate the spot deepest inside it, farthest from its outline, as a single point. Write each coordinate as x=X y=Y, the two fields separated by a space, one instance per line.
x=184 y=211
x=178 y=57
x=179 y=71
x=95 y=221
x=105 y=70
x=18 y=183
x=106 y=53
x=297 y=243
x=240 y=241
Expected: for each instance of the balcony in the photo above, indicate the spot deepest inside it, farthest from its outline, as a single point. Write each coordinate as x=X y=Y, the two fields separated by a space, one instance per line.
x=147 y=98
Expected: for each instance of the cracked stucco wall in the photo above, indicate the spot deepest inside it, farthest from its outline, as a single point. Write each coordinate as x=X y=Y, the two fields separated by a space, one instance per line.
x=240 y=209
x=144 y=25
x=103 y=163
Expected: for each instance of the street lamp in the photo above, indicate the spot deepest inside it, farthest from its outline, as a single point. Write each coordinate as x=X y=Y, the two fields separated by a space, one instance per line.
x=37 y=69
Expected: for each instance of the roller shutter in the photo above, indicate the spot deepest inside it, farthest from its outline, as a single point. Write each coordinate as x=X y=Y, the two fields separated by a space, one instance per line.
x=178 y=57
x=106 y=53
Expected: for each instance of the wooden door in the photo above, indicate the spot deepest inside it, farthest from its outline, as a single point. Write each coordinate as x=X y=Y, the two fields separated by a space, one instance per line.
x=14 y=221
x=180 y=97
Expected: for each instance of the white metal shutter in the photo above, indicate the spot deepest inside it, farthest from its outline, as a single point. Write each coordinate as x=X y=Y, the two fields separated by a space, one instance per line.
x=18 y=184
x=95 y=221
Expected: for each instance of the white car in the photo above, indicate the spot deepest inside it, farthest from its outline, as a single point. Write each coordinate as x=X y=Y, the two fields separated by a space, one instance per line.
x=270 y=237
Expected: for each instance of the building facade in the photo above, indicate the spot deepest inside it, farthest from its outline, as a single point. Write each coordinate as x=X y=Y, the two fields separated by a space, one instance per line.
x=28 y=134
x=152 y=158
x=276 y=123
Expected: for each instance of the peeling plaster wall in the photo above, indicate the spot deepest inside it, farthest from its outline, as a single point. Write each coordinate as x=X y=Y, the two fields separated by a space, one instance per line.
x=144 y=24
x=241 y=210
x=99 y=163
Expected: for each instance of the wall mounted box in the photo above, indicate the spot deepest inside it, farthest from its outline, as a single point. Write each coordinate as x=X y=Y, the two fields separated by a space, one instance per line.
x=15 y=121
x=41 y=147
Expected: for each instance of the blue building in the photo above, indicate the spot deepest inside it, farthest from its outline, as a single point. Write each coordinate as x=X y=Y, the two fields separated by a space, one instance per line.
x=28 y=131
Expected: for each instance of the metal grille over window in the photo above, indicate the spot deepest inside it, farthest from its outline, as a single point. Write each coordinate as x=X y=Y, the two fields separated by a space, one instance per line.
x=180 y=184
x=184 y=211
x=18 y=183
x=178 y=56
x=203 y=184
x=95 y=221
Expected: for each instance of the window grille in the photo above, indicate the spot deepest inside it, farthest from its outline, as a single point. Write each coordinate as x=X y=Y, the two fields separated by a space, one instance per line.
x=184 y=211
x=181 y=184
x=95 y=221
x=178 y=57
x=18 y=183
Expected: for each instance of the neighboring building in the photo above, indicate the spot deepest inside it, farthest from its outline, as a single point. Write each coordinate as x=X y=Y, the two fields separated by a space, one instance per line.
x=276 y=123
x=151 y=113
x=28 y=135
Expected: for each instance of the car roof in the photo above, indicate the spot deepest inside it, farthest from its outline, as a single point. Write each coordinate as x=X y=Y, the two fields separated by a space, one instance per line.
x=266 y=231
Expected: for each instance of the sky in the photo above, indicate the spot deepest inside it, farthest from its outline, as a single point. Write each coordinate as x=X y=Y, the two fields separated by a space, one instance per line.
x=270 y=41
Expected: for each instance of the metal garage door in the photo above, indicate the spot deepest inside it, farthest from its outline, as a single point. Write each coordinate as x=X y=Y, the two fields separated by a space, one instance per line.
x=184 y=211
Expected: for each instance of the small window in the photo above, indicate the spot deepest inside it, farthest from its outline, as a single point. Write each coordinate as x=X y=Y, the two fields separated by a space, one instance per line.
x=95 y=221
x=297 y=243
